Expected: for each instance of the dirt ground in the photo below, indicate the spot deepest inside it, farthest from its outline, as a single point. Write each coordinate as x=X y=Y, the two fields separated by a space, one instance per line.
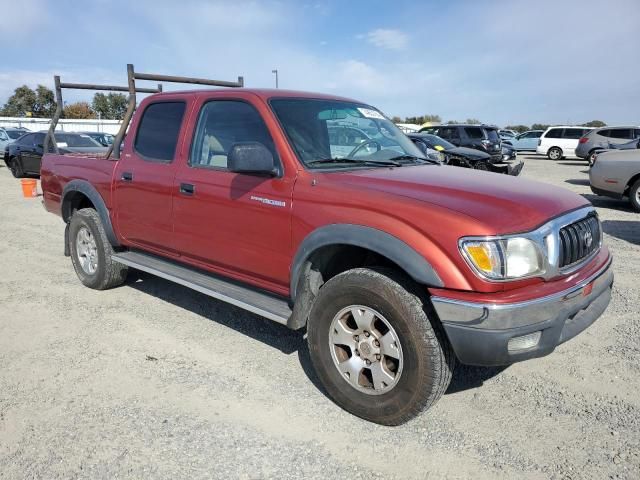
x=152 y=380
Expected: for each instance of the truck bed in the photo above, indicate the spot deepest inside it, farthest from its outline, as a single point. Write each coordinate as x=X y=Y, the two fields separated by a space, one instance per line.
x=57 y=170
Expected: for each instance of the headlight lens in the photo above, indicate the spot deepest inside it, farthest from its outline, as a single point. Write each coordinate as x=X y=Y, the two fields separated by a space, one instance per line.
x=503 y=259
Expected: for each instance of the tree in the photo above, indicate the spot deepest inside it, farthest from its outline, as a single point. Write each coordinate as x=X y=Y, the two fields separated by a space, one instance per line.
x=396 y=119
x=111 y=107
x=21 y=103
x=539 y=126
x=517 y=128
x=45 y=104
x=26 y=102
x=423 y=119
x=595 y=123
x=473 y=121
x=78 y=110
x=452 y=122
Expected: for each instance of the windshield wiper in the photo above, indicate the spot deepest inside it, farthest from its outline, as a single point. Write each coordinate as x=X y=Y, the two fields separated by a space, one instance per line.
x=414 y=158
x=377 y=163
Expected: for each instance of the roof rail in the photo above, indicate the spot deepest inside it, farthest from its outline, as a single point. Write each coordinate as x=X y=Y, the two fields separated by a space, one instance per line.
x=50 y=137
x=132 y=76
x=131 y=88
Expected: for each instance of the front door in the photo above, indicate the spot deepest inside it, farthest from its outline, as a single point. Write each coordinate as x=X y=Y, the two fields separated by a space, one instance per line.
x=236 y=224
x=144 y=177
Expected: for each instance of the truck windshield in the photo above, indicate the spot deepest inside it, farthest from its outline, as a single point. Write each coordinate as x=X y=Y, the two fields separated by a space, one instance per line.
x=326 y=131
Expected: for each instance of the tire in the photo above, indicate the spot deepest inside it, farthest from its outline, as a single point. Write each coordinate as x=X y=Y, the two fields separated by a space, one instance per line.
x=16 y=167
x=481 y=166
x=554 y=153
x=427 y=362
x=93 y=264
x=634 y=196
x=591 y=157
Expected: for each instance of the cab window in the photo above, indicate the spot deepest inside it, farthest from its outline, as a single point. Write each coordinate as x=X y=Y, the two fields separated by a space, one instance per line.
x=222 y=124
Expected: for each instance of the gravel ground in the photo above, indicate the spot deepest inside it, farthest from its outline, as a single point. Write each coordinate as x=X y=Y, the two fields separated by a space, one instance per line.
x=152 y=380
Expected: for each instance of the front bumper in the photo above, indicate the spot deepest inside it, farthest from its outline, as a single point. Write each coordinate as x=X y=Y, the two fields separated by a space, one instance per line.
x=511 y=168
x=480 y=332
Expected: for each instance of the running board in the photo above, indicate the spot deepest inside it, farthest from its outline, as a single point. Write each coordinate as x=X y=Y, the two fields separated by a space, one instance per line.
x=264 y=304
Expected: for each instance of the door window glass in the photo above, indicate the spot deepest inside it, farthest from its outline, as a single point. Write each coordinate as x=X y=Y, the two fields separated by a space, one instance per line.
x=223 y=123
x=157 y=135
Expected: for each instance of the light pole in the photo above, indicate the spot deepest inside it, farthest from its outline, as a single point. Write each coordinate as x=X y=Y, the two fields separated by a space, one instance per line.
x=275 y=72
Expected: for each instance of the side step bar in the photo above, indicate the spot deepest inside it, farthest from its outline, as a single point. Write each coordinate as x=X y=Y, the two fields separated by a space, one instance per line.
x=264 y=304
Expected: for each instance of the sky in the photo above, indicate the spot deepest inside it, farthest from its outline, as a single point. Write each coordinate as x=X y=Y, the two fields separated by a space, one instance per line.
x=503 y=62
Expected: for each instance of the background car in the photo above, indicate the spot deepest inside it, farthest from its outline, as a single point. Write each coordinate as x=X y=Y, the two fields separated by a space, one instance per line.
x=560 y=141
x=104 y=139
x=462 y=156
x=23 y=157
x=616 y=173
x=526 y=141
x=8 y=135
x=508 y=152
x=506 y=134
x=600 y=138
x=481 y=137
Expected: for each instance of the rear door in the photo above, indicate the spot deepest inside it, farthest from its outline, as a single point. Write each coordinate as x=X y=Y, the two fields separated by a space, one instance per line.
x=570 y=139
x=621 y=135
x=235 y=224
x=143 y=179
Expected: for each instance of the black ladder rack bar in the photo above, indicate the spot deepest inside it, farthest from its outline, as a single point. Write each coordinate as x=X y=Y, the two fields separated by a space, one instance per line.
x=50 y=137
x=132 y=75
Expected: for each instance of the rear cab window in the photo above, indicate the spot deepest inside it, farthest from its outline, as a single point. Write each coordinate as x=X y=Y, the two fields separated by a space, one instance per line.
x=492 y=134
x=158 y=131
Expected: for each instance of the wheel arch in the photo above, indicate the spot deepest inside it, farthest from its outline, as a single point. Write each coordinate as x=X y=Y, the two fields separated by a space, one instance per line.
x=374 y=240
x=79 y=194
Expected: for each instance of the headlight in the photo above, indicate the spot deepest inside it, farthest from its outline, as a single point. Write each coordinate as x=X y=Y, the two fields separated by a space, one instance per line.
x=503 y=259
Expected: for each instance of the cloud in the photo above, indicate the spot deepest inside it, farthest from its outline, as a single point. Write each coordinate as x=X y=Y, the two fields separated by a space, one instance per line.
x=387 y=38
x=21 y=18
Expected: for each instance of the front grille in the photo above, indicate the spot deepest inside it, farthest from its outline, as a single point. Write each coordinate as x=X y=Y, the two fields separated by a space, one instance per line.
x=579 y=240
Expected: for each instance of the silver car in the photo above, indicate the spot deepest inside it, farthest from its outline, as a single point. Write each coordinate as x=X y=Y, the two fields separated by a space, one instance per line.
x=600 y=138
x=616 y=173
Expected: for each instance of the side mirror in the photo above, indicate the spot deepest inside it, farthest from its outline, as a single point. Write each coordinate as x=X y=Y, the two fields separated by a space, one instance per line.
x=252 y=158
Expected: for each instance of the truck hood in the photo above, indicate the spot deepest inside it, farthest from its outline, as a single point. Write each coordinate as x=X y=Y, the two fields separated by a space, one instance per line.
x=502 y=203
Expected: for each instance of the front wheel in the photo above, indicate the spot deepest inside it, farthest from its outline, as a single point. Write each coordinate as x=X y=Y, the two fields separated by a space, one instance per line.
x=634 y=196
x=16 y=168
x=375 y=350
x=554 y=153
x=91 y=252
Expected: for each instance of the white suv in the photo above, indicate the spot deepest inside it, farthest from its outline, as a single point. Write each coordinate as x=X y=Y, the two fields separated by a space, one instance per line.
x=561 y=141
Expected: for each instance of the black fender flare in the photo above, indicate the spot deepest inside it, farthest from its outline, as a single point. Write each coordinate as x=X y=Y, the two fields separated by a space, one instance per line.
x=88 y=190
x=414 y=264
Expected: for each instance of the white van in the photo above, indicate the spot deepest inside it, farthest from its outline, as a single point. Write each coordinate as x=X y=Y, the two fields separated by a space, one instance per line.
x=560 y=141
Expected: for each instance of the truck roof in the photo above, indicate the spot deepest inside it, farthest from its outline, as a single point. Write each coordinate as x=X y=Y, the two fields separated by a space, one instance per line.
x=264 y=93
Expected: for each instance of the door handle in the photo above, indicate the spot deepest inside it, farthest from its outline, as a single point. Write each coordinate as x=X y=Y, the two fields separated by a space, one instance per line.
x=127 y=176
x=187 y=188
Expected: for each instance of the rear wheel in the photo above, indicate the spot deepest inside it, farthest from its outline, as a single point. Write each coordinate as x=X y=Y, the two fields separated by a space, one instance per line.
x=16 y=167
x=91 y=252
x=554 y=153
x=376 y=351
x=592 y=157
x=634 y=195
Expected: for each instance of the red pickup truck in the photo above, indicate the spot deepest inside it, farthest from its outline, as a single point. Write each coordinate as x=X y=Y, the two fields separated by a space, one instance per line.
x=316 y=211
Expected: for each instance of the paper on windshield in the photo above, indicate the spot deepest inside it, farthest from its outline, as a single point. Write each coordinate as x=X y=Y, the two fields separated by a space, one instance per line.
x=369 y=113
x=62 y=144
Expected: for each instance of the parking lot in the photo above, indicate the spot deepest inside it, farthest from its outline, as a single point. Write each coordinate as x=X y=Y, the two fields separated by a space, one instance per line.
x=152 y=380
